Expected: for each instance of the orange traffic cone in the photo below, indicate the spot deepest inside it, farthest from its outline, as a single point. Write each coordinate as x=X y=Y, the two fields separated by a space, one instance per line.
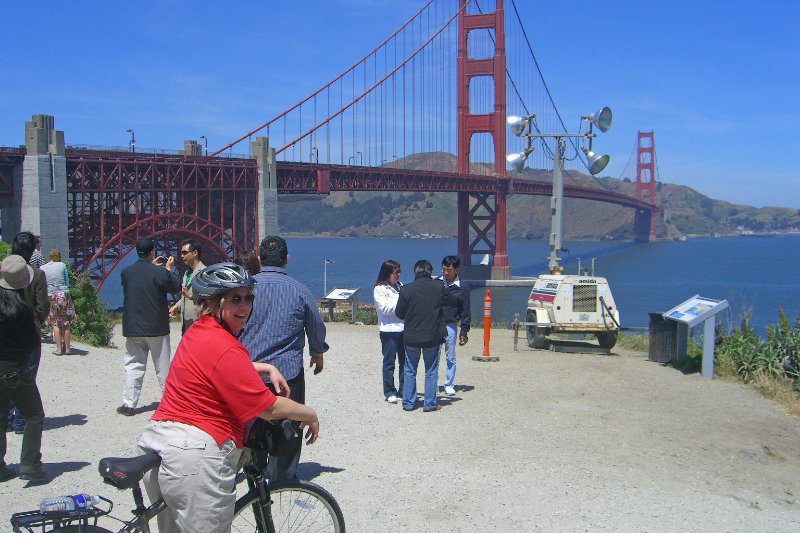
x=487 y=330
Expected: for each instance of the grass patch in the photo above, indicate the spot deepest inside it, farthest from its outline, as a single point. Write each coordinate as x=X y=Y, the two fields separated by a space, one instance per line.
x=635 y=342
x=779 y=390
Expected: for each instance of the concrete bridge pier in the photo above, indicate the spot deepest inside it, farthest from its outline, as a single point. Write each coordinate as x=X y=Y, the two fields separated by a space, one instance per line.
x=39 y=203
x=267 y=201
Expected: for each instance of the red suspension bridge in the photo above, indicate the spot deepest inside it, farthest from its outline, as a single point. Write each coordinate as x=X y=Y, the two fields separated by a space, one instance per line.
x=442 y=84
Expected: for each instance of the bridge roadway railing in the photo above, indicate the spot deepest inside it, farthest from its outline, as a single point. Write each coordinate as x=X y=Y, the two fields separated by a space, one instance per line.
x=302 y=178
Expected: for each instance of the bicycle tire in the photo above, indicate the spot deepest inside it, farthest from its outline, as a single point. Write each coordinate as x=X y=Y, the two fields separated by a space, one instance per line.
x=81 y=529
x=297 y=506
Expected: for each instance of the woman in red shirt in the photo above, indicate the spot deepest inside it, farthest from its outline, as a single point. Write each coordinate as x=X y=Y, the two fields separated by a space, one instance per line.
x=211 y=392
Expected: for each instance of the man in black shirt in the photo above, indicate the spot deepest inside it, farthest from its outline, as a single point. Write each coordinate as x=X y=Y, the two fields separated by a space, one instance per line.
x=421 y=305
x=145 y=320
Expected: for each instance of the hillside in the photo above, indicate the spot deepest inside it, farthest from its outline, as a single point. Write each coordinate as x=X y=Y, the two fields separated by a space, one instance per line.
x=369 y=214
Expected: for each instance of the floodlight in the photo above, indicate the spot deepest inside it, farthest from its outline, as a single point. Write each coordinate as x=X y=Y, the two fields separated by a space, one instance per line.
x=517 y=161
x=518 y=124
x=601 y=118
x=596 y=162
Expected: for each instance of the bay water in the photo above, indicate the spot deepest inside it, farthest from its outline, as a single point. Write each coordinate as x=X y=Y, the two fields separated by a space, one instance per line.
x=755 y=274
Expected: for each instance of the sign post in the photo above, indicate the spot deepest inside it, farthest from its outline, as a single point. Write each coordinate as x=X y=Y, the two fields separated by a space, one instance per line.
x=342 y=295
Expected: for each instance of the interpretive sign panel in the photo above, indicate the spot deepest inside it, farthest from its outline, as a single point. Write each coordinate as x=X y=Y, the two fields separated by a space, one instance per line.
x=342 y=294
x=696 y=310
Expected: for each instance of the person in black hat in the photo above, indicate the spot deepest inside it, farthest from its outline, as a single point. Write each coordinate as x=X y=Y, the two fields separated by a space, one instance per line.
x=145 y=320
x=20 y=340
x=35 y=294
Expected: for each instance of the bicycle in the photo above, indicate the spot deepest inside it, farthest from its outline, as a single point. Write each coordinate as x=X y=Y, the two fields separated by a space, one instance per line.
x=285 y=506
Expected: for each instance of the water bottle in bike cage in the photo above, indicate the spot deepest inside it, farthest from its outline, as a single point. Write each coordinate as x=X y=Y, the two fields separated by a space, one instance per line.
x=68 y=503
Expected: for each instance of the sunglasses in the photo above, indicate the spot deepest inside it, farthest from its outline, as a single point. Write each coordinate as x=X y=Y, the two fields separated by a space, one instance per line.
x=237 y=300
x=397 y=272
x=184 y=252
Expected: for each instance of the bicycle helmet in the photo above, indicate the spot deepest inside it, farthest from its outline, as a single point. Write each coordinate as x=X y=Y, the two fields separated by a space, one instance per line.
x=219 y=279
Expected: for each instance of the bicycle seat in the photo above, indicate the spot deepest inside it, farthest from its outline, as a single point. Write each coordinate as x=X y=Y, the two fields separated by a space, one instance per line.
x=127 y=472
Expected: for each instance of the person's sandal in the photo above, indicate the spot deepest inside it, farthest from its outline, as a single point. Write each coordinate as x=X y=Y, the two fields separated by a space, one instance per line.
x=58 y=353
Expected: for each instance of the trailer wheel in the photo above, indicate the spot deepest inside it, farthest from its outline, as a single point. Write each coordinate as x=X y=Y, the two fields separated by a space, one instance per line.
x=607 y=340
x=535 y=334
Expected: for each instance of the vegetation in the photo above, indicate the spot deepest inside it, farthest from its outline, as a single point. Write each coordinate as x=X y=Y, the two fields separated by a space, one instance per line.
x=93 y=323
x=364 y=315
x=633 y=341
x=363 y=212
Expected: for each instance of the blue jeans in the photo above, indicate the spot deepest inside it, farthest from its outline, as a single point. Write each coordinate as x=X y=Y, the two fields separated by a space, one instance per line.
x=16 y=420
x=450 y=353
x=430 y=356
x=392 y=347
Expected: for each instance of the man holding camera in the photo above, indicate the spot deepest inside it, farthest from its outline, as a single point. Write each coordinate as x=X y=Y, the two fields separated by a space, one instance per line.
x=145 y=320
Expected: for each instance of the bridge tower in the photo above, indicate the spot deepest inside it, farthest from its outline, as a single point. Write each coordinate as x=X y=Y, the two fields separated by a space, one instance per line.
x=482 y=216
x=39 y=200
x=644 y=222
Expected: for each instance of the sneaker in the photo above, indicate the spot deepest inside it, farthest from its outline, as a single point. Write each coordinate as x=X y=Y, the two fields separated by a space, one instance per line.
x=450 y=391
x=38 y=475
x=432 y=409
x=392 y=399
x=7 y=473
x=124 y=410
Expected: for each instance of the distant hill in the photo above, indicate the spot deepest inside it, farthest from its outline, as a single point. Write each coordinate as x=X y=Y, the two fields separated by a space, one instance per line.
x=369 y=214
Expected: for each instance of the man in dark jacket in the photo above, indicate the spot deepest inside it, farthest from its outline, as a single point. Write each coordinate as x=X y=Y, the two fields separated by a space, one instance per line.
x=421 y=305
x=145 y=320
x=453 y=316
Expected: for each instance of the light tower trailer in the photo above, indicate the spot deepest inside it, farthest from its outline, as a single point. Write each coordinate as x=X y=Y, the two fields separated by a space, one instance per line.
x=571 y=304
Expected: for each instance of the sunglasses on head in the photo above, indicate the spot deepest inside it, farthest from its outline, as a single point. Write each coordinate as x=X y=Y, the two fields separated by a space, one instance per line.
x=239 y=299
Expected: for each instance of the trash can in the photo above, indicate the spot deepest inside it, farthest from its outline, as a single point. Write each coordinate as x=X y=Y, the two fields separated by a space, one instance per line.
x=663 y=345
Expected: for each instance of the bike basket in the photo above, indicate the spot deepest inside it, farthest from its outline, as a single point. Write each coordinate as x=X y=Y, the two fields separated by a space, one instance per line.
x=33 y=521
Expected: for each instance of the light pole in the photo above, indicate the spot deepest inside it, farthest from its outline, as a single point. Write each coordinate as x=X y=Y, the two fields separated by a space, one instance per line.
x=325 y=262
x=205 y=142
x=132 y=142
x=523 y=127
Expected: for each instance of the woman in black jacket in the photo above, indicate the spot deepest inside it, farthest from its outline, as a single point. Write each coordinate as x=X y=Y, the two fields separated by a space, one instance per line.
x=18 y=340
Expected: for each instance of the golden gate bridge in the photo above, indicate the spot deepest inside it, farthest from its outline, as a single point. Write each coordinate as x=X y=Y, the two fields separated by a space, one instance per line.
x=424 y=110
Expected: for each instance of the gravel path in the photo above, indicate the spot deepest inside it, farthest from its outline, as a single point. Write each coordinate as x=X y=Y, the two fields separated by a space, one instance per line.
x=538 y=441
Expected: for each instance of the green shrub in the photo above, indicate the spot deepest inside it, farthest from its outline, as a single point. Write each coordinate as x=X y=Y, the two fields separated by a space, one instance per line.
x=92 y=322
x=365 y=316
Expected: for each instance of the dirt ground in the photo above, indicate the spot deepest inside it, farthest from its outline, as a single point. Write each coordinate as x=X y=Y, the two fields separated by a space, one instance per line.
x=539 y=441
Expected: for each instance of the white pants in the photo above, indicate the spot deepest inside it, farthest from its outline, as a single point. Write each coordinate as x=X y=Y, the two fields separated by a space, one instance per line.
x=134 y=362
x=197 y=477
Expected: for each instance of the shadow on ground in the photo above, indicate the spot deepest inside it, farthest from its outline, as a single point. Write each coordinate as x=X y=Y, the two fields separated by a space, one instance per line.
x=309 y=471
x=56 y=422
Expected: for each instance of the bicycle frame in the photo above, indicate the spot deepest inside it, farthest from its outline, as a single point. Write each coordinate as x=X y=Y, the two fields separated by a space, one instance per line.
x=255 y=482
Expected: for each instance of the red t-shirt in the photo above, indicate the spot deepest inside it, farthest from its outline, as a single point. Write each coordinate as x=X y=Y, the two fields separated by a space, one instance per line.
x=212 y=383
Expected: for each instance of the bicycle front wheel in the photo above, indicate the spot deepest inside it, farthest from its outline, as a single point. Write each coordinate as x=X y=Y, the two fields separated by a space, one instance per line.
x=297 y=506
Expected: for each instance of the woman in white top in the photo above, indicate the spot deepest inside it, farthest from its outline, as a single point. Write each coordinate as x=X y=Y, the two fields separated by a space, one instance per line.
x=390 y=328
x=62 y=311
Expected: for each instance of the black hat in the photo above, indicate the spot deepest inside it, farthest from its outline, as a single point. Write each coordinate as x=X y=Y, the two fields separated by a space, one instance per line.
x=144 y=246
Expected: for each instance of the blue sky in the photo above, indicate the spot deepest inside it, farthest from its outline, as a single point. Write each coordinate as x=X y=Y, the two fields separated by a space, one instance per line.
x=717 y=81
